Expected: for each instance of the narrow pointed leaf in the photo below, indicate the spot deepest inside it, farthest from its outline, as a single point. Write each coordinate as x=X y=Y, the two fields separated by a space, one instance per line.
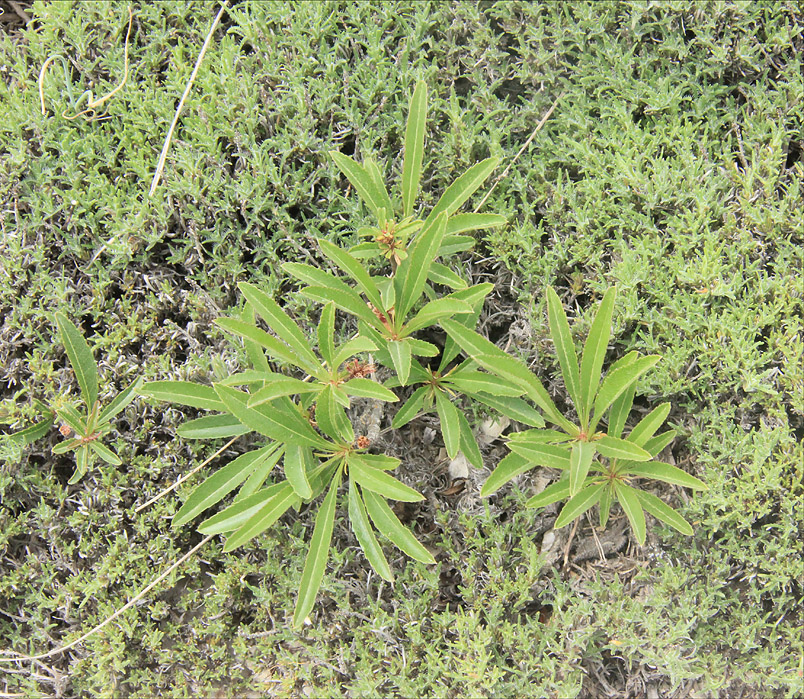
x=354 y=269
x=453 y=244
x=380 y=190
x=605 y=506
x=655 y=444
x=390 y=527
x=660 y=471
x=515 y=408
x=401 y=358
x=379 y=481
x=326 y=335
x=212 y=427
x=546 y=455
x=594 y=352
x=352 y=347
x=220 y=484
x=579 y=504
x=412 y=273
x=414 y=147
x=120 y=401
x=69 y=415
x=463 y=188
x=81 y=359
x=468 y=442
x=614 y=448
x=67 y=445
x=366 y=388
x=359 y=178
x=560 y=490
x=410 y=409
x=632 y=506
x=441 y=274
x=620 y=410
x=236 y=515
x=317 y=555
x=478 y=382
x=34 y=432
x=380 y=461
x=581 y=457
x=255 y=353
x=82 y=463
x=421 y=348
x=540 y=437
x=263 y=518
x=511 y=466
x=280 y=322
x=347 y=301
x=648 y=425
x=493 y=359
x=565 y=347
x=461 y=223
x=184 y=393
x=450 y=423
x=105 y=453
x=364 y=533
x=434 y=311
x=261 y=472
x=276 y=348
x=663 y=512
x=282 y=386
x=616 y=382
x=298 y=461
x=331 y=417
x=285 y=427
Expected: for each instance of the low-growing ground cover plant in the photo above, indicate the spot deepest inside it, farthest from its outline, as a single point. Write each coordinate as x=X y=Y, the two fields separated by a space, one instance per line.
x=82 y=430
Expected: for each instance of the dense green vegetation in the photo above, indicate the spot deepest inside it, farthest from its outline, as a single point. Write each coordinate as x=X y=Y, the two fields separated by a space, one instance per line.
x=671 y=167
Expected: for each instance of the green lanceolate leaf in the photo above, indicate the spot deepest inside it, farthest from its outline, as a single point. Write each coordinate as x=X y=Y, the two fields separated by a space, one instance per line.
x=655 y=444
x=509 y=468
x=280 y=322
x=236 y=515
x=581 y=457
x=365 y=534
x=34 y=432
x=272 y=510
x=441 y=274
x=663 y=512
x=352 y=347
x=366 y=388
x=68 y=445
x=540 y=437
x=560 y=490
x=280 y=386
x=515 y=408
x=354 y=269
x=120 y=401
x=105 y=453
x=471 y=381
x=546 y=455
x=631 y=504
x=493 y=359
x=212 y=427
x=648 y=425
x=221 y=483
x=317 y=555
x=331 y=417
x=391 y=528
x=298 y=461
x=605 y=505
x=620 y=410
x=400 y=358
x=460 y=223
x=463 y=188
x=386 y=207
x=468 y=442
x=434 y=311
x=283 y=426
x=594 y=352
x=614 y=448
x=360 y=179
x=380 y=482
x=414 y=148
x=453 y=244
x=578 y=504
x=565 y=348
x=380 y=461
x=260 y=473
x=326 y=335
x=411 y=408
x=82 y=463
x=255 y=353
x=616 y=382
x=81 y=359
x=184 y=393
x=660 y=471
x=450 y=423
x=411 y=276
x=347 y=301
x=69 y=415
x=421 y=348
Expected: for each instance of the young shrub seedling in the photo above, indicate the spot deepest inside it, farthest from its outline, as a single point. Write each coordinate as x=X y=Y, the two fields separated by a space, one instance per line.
x=86 y=428
x=598 y=464
x=307 y=428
